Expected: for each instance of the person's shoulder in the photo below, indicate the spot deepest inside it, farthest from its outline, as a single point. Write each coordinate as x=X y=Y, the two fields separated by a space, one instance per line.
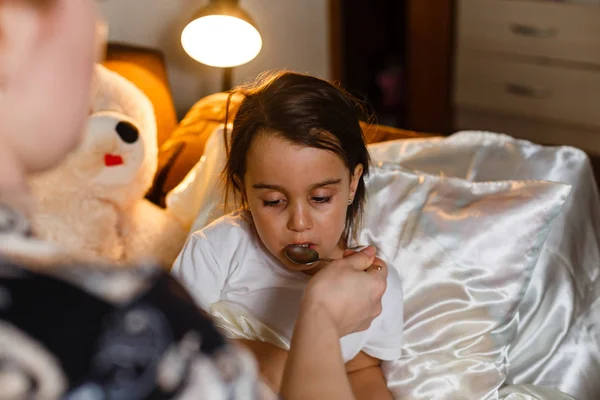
x=236 y=225
x=227 y=239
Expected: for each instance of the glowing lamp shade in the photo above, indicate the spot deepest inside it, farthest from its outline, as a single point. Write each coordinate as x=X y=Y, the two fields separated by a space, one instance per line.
x=221 y=40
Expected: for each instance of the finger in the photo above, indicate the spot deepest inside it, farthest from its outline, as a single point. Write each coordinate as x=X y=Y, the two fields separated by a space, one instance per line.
x=378 y=311
x=349 y=252
x=361 y=260
x=378 y=265
x=374 y=267
x=366 y=325
x=379 y=283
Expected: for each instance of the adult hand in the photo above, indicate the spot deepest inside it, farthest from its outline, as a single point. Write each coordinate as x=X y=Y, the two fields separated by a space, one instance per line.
x=349 y=290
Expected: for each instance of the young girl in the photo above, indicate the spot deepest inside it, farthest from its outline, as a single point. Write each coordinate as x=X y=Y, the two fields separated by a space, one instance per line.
x=296 y=163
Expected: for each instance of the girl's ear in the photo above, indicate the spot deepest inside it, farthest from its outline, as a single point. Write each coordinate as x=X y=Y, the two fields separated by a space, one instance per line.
x=355 y=178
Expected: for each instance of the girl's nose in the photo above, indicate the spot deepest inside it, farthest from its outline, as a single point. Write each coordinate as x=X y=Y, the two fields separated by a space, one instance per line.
x=299 y=219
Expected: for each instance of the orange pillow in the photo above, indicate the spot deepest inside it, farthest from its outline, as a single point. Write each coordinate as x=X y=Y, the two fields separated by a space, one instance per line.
x=183 y=149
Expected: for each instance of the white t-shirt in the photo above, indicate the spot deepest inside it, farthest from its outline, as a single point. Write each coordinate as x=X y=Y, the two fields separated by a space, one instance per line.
x=227 y=262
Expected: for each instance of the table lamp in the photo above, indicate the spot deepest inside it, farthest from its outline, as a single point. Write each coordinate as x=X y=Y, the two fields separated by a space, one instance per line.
x=222 y=35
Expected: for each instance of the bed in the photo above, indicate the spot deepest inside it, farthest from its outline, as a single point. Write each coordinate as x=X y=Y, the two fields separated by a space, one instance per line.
x=554 y=349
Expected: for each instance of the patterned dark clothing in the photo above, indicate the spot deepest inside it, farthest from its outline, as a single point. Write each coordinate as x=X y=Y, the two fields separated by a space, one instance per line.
x=82 y=332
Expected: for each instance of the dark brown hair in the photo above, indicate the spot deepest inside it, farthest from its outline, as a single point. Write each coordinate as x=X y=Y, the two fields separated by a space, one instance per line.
x=304 y=110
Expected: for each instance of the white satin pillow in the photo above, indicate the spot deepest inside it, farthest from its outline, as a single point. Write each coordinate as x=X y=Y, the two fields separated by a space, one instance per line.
x=558 y=340
x=466 y=252
x=196 y=201
x=531 y=392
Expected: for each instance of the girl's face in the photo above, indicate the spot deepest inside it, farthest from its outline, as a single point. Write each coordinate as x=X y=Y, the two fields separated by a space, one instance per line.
x=298 y=195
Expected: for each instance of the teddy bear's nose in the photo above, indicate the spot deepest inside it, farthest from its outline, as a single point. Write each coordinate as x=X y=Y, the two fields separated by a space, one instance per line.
x=127 y=132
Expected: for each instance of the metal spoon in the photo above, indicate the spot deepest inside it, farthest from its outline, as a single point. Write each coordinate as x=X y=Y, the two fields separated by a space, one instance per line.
x=303 y=255
x=307 y=256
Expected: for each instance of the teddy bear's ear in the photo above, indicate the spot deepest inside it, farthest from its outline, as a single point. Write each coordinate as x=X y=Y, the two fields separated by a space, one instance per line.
x=101 y=78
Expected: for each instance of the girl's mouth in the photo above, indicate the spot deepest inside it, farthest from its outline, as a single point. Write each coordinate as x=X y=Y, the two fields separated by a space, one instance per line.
x=304 y=245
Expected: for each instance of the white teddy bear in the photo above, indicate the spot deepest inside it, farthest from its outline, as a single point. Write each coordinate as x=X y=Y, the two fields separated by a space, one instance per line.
x=93 y=203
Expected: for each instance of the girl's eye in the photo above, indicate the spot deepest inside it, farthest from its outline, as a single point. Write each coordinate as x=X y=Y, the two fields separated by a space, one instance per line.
x=326 y=199
x=272 y=203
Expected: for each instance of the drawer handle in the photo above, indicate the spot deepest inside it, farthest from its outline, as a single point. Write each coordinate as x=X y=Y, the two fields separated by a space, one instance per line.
x=532 y=31
x=528 y=91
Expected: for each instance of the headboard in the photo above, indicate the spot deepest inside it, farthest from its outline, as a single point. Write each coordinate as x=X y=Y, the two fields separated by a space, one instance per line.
x=147 y=69
x=182 y=144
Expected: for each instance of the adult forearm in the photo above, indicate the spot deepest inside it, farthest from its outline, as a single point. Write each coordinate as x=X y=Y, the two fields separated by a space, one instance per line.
x=315 y=367
x=271 y=361
x=369 y=384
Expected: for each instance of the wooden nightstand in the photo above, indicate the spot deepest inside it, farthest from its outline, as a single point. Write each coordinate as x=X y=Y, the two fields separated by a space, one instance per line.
x=529 y=68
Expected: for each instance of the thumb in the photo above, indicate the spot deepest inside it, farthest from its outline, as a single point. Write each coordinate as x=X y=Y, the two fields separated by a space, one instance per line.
x=361 y=260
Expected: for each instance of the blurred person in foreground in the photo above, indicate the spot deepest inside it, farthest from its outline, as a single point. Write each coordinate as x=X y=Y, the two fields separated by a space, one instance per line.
x=72 y=330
